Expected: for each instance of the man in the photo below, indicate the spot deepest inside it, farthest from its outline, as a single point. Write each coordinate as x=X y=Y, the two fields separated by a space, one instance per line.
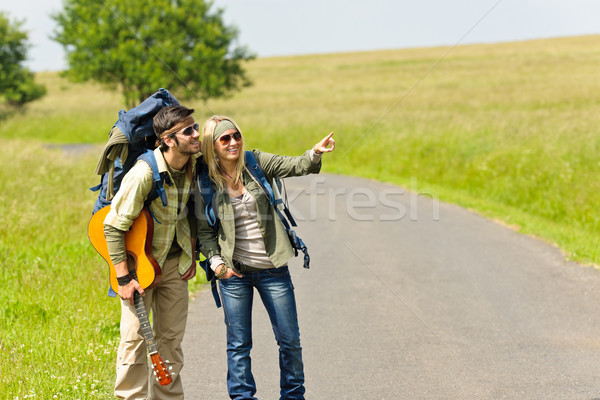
x=178 y=142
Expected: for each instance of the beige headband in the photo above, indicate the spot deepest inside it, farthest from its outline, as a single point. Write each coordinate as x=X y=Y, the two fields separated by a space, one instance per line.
x=223 y=126
x=179 y=126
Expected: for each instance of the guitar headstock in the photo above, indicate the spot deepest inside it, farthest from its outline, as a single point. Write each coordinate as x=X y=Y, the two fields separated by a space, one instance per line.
x=160 y=370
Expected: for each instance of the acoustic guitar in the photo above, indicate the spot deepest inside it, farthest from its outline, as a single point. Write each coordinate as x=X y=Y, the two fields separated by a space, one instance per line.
x=143 y=268
x=138 y=242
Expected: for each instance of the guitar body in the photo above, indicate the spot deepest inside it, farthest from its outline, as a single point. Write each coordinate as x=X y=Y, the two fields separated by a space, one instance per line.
x=138 y=242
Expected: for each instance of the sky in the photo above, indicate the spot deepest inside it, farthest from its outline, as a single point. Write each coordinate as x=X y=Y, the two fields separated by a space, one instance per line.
x=294 y=27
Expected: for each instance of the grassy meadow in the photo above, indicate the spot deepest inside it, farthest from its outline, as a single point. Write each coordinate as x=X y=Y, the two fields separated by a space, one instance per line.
x=510 y=130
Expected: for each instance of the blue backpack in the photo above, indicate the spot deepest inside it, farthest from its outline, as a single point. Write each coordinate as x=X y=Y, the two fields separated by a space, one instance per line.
x=207 y=192
x=139 y=137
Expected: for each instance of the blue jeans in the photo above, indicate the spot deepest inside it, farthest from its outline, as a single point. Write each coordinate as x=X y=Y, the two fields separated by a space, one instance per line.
x=277 y=293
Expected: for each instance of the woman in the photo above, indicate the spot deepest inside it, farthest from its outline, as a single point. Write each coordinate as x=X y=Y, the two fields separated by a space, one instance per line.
x=251 y=250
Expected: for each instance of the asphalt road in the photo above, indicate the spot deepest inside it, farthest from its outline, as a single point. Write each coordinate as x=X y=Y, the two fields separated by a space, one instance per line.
x=409 y=298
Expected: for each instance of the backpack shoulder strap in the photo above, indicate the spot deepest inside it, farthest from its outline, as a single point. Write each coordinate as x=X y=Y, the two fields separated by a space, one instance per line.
x=258 y=174
x=158 y=179
x=207 y=193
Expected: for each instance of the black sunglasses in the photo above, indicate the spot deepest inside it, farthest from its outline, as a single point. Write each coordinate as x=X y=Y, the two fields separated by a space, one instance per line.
x=189 y=131
x=225 y=139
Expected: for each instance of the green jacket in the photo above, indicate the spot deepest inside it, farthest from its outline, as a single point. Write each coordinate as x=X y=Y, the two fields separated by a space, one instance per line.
x=276 y=240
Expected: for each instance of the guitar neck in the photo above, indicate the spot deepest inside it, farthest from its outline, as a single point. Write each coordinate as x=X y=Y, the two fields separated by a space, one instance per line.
x=140 y=309
x=160 y=369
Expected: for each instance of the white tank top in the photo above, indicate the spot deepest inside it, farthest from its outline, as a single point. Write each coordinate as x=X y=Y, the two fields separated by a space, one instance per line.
x=249 y=243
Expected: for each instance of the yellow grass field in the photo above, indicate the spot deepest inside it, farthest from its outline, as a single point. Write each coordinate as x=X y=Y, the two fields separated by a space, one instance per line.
x=510 y=130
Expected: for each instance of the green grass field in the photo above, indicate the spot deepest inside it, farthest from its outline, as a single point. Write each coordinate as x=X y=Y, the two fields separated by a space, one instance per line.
x=508 y=130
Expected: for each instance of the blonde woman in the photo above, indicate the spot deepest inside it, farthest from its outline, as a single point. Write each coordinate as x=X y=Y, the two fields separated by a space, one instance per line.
x=251 y=250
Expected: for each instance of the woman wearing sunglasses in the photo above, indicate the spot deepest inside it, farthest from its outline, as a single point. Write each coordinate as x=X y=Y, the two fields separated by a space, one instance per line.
x=251 y=250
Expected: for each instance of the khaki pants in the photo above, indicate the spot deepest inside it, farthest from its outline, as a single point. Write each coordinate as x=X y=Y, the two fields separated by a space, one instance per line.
x=169 y=304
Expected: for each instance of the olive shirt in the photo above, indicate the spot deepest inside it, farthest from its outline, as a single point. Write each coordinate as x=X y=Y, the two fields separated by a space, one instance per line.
x=277 y=244
x=172 y=222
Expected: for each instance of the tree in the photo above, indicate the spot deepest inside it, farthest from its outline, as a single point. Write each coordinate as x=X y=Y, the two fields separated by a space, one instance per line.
x=139 y=46
x=17 y=85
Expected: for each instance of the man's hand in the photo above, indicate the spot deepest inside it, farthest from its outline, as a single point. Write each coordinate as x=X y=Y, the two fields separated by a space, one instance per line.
x=189 y=274
x=127 y=292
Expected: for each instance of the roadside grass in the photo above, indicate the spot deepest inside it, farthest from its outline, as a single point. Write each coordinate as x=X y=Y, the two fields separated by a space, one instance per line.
x=508 y=130
x=58 y=334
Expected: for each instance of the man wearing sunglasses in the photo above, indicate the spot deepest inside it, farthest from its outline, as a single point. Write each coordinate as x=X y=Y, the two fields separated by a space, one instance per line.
x=178 y=144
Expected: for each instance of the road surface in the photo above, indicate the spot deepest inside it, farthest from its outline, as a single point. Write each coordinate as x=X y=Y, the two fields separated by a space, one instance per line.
x=410 y=298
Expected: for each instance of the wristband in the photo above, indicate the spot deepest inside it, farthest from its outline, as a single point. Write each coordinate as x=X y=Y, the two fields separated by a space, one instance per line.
x=124 y=280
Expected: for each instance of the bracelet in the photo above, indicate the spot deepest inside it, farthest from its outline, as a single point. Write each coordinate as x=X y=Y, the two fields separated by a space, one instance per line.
x=124 y=280
x=222 y=272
